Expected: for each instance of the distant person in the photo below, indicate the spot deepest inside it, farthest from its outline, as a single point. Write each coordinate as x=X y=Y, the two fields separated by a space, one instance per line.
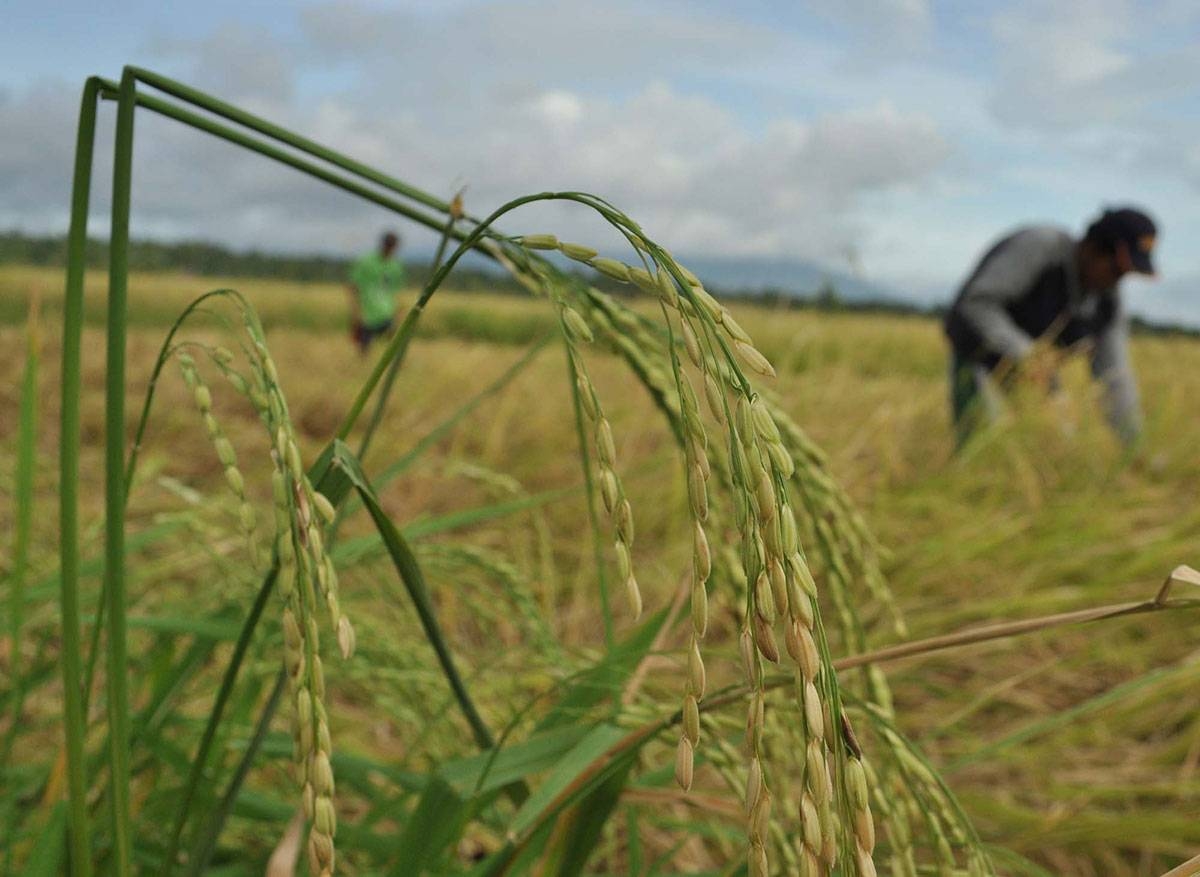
x=374 y=279
x=1041 y=284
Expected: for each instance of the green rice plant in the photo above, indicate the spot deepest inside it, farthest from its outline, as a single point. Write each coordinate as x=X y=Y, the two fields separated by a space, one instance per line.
x=774 y=544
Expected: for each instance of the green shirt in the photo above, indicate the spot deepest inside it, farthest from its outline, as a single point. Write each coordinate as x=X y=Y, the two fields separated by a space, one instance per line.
x=376 y=279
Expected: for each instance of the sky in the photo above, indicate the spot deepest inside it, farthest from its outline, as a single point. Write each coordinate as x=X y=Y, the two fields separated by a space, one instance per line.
x=893 y=139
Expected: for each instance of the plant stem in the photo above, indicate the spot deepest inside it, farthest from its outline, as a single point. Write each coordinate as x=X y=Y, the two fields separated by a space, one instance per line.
x=114 y=485
x=69 y=441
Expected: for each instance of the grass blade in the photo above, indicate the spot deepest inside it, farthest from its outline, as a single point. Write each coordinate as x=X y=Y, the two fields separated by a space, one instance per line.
x=410 y=573
x=200 y=762
x=433 y=827
x=206 y=843
x=23 y=500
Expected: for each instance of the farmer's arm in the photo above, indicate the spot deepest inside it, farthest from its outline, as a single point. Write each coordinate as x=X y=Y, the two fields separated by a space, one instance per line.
x=1006 y=276
x=1111 y=367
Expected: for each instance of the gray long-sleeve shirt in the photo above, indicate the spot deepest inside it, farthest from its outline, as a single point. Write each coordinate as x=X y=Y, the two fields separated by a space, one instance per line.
x=1026 y=287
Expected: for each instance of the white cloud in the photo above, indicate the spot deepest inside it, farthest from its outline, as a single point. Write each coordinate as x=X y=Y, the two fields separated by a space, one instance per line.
x=881 y=129
x=1077 y=64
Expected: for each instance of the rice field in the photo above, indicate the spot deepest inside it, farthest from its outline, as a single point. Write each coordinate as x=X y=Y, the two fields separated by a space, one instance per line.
x=1072 y=751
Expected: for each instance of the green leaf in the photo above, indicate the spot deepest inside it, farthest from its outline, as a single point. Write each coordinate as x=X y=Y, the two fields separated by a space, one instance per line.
x=606 y=677
x=431 y=829
x=47 y=857
x=582 y=758
x=576 y=845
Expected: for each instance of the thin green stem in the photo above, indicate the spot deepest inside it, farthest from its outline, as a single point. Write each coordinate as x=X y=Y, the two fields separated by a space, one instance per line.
x=114 y=485
x=69 y=441
x=207 y=844
x=200 y=762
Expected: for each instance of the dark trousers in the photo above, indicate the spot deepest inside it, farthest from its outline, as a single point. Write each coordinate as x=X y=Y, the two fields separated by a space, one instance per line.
x=364 y=335
x=968 y=406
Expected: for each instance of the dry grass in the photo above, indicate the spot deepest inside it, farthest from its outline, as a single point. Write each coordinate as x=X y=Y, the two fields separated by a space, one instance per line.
x=1046 y=758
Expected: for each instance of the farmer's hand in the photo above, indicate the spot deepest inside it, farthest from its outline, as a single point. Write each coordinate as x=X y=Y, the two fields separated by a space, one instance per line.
x=1039 y=369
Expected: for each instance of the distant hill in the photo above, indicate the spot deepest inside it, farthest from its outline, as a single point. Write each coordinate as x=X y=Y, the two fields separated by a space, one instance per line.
x=750 y=275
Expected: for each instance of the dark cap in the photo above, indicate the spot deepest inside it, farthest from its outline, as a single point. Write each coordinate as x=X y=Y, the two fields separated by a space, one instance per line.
x=1131 y=227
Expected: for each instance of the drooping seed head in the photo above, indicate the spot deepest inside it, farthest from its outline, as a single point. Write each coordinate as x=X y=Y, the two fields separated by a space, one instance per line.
x=699 y=608
x=691 y=719
x=576 y=326
x=624 y=517
x=634 y=594
x=715 y=398
x=803 y=574
x=698 y=492
x=324 y=817
x=624 y=561
x=755 y=720
x=346 y=637
x=225 y=451
x=864 y=863
x=246 y=517
x=764 y=600
x=760 y=817
x=701 y=555
x=538 y=241
x=818 y=775
x=322 y=774
x=764 y=638
x=747 y=654
x=765 y=496
x=779 y=590
x=666 y=289
x=320 y=853
x=234 y=478
x=856 y=782
x=692 y=345
x=324 y=507
x=643 y=280
x=697 y=677
x=764 y=424
x=587 y=397
x=605 y=447
x=810 y=823
x=578 y=252
x=685 y=757
x=609 y=490
x=781 y=459
x=802 y=608
x=293 y=460
x=758 y=862
x=813 y=714
x=324 y=743
x=754 y=359
x=754 y=783
x=203 y=398
x=613 y=268
x=864 y=833
x=735 y=331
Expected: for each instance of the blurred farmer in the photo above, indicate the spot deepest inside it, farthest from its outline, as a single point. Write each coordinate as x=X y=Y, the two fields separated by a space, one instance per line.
x=374 y=279
x=1041 y=284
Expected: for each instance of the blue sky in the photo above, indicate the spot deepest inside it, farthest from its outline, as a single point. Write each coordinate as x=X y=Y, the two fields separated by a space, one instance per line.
x=894 y=138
